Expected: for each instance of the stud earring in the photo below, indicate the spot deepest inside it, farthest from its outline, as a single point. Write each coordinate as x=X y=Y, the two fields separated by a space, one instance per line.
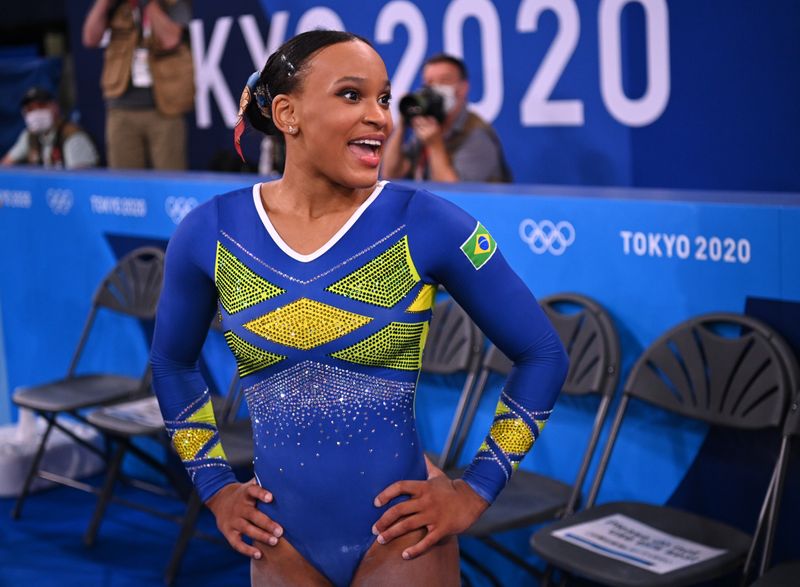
x=292 y=130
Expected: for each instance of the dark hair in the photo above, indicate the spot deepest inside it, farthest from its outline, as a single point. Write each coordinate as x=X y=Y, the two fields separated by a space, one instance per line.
x=285 y=69
x=452 y=60
x=37 y=94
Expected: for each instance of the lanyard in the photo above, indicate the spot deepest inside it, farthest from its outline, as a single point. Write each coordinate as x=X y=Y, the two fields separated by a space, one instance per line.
x=140 y=18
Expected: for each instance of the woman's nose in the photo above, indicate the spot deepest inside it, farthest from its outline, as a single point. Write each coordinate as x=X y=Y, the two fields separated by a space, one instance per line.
x=377 y=115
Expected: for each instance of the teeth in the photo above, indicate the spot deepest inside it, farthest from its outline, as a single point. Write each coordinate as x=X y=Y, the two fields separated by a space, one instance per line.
x=370 y=142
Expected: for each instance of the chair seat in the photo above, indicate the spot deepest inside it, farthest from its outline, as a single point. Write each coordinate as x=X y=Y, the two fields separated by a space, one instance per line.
x=78 y=392
x=609 y=571
x=140 y=417
x=137 y=417
x=783 y=575
x=528 y=499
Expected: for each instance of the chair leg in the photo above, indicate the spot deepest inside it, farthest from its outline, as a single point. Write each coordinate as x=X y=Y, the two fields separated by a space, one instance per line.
x=32 y=472
x=187 y=530
x=547 y=577
x=112 y=474
x=512 y=556
x=473 y=562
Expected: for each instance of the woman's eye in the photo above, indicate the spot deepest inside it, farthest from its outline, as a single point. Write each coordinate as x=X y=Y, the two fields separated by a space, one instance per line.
x=351 y=95
x=385 y=100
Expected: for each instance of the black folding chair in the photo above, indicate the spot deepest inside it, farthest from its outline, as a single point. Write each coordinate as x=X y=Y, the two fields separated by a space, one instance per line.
x=724 y=369
x=132 y=289
x=592 y=343
x=236 y=436
x=123 y=423
x=783 y=575
x=454 y=345
x=786 y=574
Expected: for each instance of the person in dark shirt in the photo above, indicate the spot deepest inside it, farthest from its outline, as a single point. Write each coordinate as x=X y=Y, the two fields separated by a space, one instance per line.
x=463 y=147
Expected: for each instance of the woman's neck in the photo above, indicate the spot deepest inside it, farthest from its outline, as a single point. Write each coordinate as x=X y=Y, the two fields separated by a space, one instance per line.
x=301 y=194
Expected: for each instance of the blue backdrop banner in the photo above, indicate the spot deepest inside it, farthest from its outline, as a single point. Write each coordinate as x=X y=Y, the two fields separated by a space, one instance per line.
x=662 y=93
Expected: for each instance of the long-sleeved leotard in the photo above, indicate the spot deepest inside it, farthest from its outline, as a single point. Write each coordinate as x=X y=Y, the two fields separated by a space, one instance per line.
x=329 y=347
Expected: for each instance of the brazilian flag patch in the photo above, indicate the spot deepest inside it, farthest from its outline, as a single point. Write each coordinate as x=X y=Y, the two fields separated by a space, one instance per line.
x=479 y=247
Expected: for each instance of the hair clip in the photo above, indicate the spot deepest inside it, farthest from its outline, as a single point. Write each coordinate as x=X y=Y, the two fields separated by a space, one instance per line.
x=253 y=80
x=288 y=64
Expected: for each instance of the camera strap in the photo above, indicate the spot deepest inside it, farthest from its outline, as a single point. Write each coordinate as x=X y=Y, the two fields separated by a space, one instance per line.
x=421 y=164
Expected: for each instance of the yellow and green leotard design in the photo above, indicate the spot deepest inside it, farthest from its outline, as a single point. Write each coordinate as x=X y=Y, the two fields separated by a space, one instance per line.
x=329 y=346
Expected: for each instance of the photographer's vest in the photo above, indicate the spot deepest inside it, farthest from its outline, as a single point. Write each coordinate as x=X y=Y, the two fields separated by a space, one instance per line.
x=172 y=71
x=36 y=150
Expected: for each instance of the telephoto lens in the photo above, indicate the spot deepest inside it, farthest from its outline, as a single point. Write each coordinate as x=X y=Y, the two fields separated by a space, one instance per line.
x=424 y=102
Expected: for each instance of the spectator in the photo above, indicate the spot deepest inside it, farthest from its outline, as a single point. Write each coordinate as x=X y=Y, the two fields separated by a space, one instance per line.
x=147 y=81
x=48 y=139
x=463 y=147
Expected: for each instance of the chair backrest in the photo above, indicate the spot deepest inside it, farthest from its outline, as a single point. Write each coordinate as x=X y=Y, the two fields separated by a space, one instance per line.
x=721 y=368
x=454 y=345
x=592 y=344
x=591 y=340
x=131 y=288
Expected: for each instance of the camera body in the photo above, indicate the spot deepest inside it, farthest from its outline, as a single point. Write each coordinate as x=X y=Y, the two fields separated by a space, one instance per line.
x=424 y=102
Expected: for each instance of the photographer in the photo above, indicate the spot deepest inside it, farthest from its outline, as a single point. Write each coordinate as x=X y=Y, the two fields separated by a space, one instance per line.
x=48 y=139
x=449 y=142
x=147 y=79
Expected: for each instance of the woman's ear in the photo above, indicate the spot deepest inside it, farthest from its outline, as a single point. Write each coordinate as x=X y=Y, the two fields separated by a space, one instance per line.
x=283 y=114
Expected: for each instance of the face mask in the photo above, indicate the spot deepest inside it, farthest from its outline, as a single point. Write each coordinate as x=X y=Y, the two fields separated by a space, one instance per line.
x=39 y=121
x=448 y=93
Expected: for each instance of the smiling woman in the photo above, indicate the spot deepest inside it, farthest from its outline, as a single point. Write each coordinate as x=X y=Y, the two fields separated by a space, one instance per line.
x=325 y=282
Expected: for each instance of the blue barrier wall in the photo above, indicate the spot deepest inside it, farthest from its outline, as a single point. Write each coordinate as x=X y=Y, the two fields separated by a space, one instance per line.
x=652 y=258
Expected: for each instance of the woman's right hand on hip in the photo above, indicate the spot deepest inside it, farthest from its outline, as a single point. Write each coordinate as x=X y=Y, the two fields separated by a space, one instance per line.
x=235 y=508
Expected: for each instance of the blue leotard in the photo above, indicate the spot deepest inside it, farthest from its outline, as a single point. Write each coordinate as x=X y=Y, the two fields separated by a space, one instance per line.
x=329 y=348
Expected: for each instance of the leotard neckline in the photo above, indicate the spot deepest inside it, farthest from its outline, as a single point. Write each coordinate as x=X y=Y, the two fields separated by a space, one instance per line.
x=283 y=246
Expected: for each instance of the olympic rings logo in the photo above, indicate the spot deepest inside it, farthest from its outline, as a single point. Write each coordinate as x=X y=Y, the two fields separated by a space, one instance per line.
x=60 y=201
x=177 y=208
x=547 y=237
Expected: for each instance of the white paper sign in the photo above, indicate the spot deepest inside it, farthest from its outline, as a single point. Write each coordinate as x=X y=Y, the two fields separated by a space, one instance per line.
x=632 y=542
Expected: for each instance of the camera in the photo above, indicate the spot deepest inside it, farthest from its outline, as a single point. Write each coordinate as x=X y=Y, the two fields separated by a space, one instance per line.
x=424 y=102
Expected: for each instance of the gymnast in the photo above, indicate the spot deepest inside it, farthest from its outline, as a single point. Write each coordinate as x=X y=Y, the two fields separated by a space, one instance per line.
x=325 y=281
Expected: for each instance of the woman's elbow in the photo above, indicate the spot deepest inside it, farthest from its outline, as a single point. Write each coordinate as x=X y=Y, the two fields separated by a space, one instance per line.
x=550 y=352
x=562 y=361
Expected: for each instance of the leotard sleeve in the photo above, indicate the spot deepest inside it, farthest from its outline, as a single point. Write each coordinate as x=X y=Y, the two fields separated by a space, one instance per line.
x=187 y=305
x=457 y=251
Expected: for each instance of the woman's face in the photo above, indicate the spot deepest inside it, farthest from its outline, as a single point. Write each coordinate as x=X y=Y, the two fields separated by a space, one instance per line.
x=342 y=111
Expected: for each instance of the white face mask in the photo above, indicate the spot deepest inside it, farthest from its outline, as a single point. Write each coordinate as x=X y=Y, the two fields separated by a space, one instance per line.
x=39 y=121
x=449 y=95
